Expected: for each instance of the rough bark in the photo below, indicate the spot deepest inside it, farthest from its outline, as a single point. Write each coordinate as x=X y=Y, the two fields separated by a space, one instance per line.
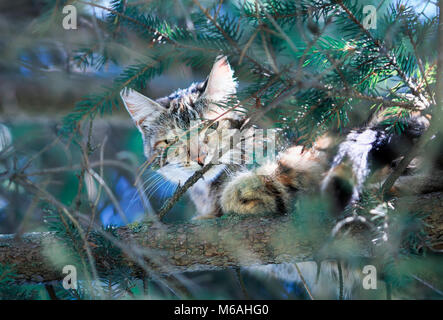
x=196 y=246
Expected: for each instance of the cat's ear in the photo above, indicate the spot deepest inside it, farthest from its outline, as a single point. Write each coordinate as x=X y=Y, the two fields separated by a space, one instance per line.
x=142 y=109
x=221 y=82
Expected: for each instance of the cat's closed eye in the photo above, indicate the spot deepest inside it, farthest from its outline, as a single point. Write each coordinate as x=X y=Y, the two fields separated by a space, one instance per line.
x=214 y=126
x=161 y=144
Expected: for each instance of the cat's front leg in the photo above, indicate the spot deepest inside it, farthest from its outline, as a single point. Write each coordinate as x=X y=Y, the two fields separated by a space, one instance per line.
x=205 y=201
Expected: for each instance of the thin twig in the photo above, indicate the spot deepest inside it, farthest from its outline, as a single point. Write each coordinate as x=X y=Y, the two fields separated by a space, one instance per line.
x=340 y=280
x=384 y=51
x=105 y=162
x=181 y=190
x=304 y=281
x=29 y=185
x=425 y=283
x=241 y=283
x=435 y=124
x=97 y=199
x=110 y=194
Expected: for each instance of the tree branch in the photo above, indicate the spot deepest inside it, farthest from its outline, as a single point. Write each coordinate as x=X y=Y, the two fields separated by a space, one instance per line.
x=203 y=245
x=182 y=189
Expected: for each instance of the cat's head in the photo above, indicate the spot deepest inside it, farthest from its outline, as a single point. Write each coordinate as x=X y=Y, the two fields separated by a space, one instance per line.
x=184 y=131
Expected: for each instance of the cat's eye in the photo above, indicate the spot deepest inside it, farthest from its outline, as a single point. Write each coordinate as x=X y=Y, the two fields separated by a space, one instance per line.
x=161 y=144
x=214 y=126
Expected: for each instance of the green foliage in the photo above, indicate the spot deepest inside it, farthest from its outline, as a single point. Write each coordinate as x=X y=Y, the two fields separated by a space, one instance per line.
x=321 y=48
x=358 y=60
x=11 y=290
x=114 y=277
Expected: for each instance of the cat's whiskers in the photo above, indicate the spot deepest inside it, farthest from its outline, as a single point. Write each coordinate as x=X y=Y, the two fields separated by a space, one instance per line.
x=150 y=179
x=162 y=195
x=228 y=171
x=159 y=185
x=152 y=185
x=138 y=191
x=148 y=183
x=133 y=198
x=167 y=190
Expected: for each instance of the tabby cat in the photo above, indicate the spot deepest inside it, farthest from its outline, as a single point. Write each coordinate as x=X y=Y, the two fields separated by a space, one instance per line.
x=228 y=186
x=336 y=167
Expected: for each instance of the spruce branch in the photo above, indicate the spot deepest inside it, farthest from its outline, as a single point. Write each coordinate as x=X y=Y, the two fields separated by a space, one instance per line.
x=385 y=52
x=202 y=245
x=91 y=106
x=231 y=41
x=435 y=122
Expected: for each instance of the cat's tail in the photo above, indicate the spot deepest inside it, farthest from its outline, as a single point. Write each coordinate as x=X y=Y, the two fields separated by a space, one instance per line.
x=364 y=155
x=371 y=154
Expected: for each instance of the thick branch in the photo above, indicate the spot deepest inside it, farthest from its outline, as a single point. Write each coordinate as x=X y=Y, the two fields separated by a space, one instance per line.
x=211 y=244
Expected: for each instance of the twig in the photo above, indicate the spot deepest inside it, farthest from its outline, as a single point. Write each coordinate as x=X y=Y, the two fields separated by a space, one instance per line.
x=135 y=253
x=420 y=64
x=181 y=190
x=35 y=156
x=51 y=292
x=279 y=29
x=241 y=283
x=423 y=282
x=150 y=28
x=62 y=208
x=304 y=281
x=247 y=45
x=110 y=194
x=231 y=41
x=383 y=51
x=340 y=280
x=97 y=199
x=105 y=162
x=436 y=119
x=271 y=59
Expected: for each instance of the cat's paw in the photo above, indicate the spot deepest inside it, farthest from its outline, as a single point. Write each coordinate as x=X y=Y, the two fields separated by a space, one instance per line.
x=250 y=193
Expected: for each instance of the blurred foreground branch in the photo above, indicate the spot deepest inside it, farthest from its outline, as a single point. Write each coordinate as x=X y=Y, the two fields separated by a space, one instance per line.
x=211 y=244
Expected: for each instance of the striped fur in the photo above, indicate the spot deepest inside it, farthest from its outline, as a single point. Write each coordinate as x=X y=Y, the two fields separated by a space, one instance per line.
x=338 y=168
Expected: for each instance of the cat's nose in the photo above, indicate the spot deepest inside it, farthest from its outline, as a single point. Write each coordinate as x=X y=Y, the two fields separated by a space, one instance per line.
x=200 y=157
x=201 y=161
